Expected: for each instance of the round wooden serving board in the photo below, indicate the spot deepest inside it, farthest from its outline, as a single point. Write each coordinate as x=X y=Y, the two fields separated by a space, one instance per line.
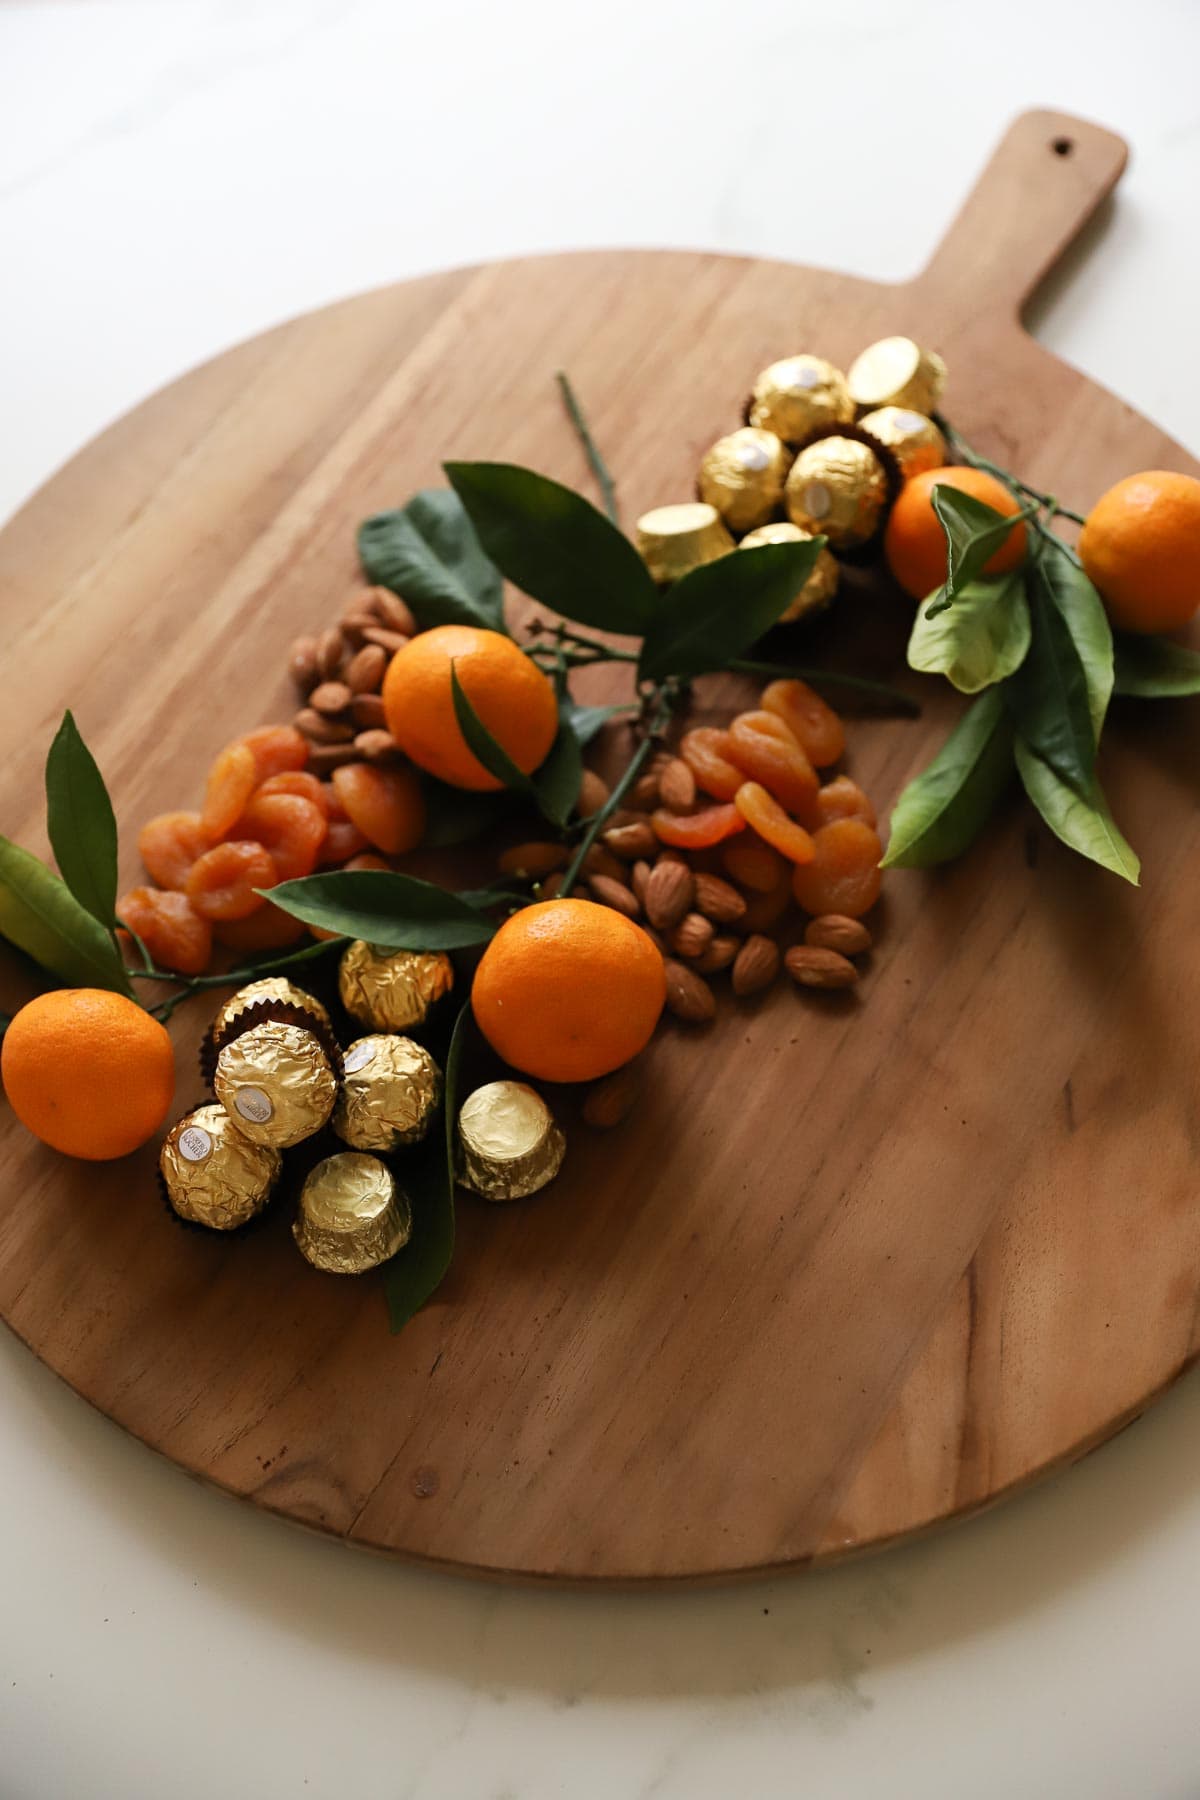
x=854 y=1267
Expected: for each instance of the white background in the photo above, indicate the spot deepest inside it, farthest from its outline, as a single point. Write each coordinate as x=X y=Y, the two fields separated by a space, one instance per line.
x=176 y=177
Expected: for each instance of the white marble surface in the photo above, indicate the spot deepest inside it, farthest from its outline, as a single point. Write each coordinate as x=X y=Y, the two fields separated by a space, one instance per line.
x=174 y=177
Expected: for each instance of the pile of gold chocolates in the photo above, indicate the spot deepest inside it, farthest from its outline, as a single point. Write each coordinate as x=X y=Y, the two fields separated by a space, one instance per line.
x=279 y=1077
x=821 y=454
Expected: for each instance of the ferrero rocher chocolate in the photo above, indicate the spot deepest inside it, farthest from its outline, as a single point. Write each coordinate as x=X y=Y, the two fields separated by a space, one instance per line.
x=674 y=540
x=270 y=987
x=821 y=585
x=390 y=1092
x=508 y=1143
x=897 y=372
x=351 y=1216
x=213 y=1175
x=743 y=476
x=392 y=989
x=276 y=1084
x=914 y=441
x=837 y=488
x=798 y=396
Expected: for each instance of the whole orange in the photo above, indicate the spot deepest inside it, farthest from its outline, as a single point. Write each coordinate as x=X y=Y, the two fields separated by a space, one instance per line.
x=1141 y=547
x=509 y=693
x=914 y=542
x=568 y=990
x=88 y=1072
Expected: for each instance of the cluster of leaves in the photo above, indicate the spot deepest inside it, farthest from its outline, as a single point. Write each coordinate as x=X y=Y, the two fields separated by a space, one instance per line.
x=1036 y=648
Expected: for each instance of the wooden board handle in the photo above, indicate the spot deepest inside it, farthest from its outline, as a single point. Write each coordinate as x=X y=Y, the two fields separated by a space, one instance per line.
x=1046 y=178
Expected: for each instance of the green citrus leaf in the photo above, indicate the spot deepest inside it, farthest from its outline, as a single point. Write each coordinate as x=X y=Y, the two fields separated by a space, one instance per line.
x=396 y=912
x=1060 y=694
x=974 y=532
x=41 y=916
x=417 y=1271
x=710 y=616
x=1153 y=668
x=483 y=745
x=1082 y=821
x=428 y=553
x=557 y=781
x=80 y=822
x=940 y=813
x=979 y=640
x=588 y=721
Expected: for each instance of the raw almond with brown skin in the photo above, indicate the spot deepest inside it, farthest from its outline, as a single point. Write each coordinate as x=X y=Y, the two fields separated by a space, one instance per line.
x=391 y=641
x=644 y=793
x=600 y=861
x=302 y=663
x=677 y=786
x=755 y=966
x=533 y=860
x=355 y=627
x=630 y=842
x=593 y=792
x=322 y=758
x=377 y=745
x=365 y=670
x=321 y=730
x=689 y=996
x=612 y=1099
x=394 y=612
x=330 y=698
x=815 y=968
x=719 y=900
x=367 y=711
x=329 y=653
x=615 y=894
x=833 y=931
x=639 y=879
x=720 y=953
x=692 y=935
x=669 y=893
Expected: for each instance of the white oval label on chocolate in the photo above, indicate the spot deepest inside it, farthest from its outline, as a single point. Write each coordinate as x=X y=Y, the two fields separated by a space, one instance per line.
x=909 y=422
x=253 y=1104
x=800 y=377
x=752 y=456
x=358 y=1056
x=195 y=1144
x=817 y=500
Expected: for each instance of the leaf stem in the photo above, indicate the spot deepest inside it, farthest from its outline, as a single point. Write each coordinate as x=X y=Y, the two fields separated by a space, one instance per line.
x=596 y=462
x=1047 y=501
x=664 y=705
x=873 y=690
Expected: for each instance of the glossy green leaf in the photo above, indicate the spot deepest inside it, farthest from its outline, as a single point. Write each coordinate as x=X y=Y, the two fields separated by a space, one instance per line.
x=1082 y=821
x=974 y=532
x=1060 y=694
x=553 y=788
x=709 y=617
x=428 y=553
x=979 y=640
x=396 y=912
x=557 y=781
x=940 y=813
x=41 y=916
x=1154 y=668
x=588 y=721
x=417 y=1271
x=556 y=546
x=81 y=824
x=483 y=745
x=1077 y=602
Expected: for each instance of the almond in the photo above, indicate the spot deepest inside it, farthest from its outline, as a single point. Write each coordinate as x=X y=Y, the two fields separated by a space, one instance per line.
x=719 y=900
x=630 y=842
x=376 y=745
x=639 y=878
x=324 y=757
x=367 y=711
x=394 y=612
x=688 y=994
x=320 y=729
x=533 y=860
x=593 y=792
x=692 y=935
x=833 y=931
x=669 y=894
x=721 y=952
x=600 y=861
x=365 y=670
x=391 y=641
x=302 y=663
x=330 y=698
x=355 y=627
x=610 y=1100
x=755 y=966
x=549 y=888
x=820 y=968
x=677 y=786
x=360 y=604
x=329 y=653
x=644 y=792
x=615 y=894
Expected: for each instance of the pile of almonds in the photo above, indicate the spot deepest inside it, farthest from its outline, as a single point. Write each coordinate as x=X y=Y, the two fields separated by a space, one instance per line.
x=340 y=673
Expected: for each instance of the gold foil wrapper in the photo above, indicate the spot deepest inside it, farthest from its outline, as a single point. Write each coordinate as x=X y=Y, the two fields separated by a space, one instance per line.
x=674 y=540
x=799 y=395
x=270 y=987
x=390 y=1092
x=351 y=1215
x=914 y=441
x=821 y=585
x=743 y=476
x=276 y=1084
x=508 y=1143
x=838 y=488
x=897 y=372
x=392 y=990
x=212 y=1174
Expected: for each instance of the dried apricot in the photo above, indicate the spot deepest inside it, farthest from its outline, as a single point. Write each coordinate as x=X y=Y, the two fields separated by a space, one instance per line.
x=814 y=725
x=268 y=928
x=342 y=841
x=754 y=864
x=231 y=781
x=276 y=749
x=696 y=831
x=298 y=781
x=762 y=745
x=222 y=882
x=706 y=753
x=387 y=805
x=169 y=845
x=844 y=799
x=289 y=828
x=174 y=934
x=843 y=876
x=761 y=810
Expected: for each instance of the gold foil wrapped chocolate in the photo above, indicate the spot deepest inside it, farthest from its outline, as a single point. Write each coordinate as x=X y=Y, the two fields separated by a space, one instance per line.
x=389 y=1094
x=798 y=396
x=351 y=1216
x=838 y=488
x=914 y=441
x=212 y=1174
x=821 y=585
x=276 y=1083
x=743 y=476
x=897 y=372
x=508 y=1143
x=270 y=987
x=392 y=990
x=674 y=540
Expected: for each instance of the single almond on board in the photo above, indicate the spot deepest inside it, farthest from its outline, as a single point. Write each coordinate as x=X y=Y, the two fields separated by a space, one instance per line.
x=321 y=730
x=669 y=894
x=833 y=931
x=377 y=745
x=644 y=793
x=755 y=966
x=394 y=612
x=600 y=861
x=820 y=968
x=367 y=711
x=719 y=900
x=639 y=879
x=365 y=670
x=630 y=842
x=302 y=663
x=688 y=994
x=692 y=935
x=611 y=1100
x=615 y=894
x=677 y=786
x=329 y=653
x=391 y=641
x=593 y=792
x=324 y=757
x=330 y=698
x=720 y=953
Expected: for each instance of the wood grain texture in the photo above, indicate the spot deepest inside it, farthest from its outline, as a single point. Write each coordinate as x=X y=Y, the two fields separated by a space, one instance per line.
x=856 y=1266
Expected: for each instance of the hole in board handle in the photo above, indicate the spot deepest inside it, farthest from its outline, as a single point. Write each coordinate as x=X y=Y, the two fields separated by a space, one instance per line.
x=1062 y=146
